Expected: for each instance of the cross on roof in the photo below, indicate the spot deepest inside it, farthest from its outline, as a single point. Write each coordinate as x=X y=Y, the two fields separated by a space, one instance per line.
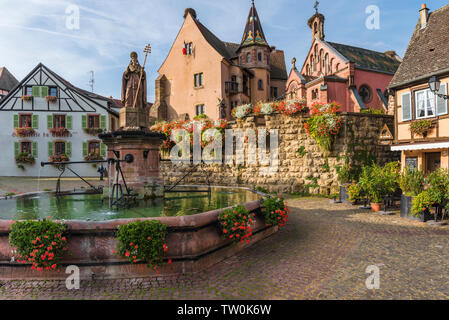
x=317 y=3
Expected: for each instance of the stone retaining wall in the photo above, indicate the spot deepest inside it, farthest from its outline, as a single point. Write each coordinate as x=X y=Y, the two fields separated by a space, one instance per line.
x=303 y=166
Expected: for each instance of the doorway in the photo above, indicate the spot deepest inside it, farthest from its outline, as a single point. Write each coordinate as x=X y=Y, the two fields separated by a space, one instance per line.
x=433 y=161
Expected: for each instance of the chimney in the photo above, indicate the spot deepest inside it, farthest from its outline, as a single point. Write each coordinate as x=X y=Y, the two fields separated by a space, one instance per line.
x=424 y=15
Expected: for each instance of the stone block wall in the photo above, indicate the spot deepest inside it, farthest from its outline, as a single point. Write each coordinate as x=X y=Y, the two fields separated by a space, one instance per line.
x=303 y=166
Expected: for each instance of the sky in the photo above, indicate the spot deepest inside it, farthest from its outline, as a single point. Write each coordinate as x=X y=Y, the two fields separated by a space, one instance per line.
x=33 y=31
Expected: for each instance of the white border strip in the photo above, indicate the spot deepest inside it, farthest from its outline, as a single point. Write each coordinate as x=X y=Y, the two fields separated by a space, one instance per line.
x=424 y=146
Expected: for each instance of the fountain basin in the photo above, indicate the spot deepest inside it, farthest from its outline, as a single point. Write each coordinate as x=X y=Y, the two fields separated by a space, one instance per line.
x=194 y=243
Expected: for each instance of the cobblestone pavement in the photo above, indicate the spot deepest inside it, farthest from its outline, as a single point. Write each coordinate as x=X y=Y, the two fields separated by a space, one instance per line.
x=323 y=253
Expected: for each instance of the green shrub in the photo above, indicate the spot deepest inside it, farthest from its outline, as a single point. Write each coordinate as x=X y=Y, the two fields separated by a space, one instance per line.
x=421 y=202
x=41 y=243
x=354 y=192
x=236 y=224
x=143 y=241
x=411 y=181
x=437 y=186
x=344 y=174
x=377 y=182
x=276 y=212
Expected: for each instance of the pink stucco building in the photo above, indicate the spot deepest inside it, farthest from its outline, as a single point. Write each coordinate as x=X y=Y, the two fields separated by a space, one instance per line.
x=356 y=78
x=203 y=74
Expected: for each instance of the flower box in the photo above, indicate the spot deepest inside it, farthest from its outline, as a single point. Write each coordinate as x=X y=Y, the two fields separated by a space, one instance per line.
x=93 y=131
x=25 y=158
x=26 y=98
x=51 y=99
x=58 y=158
x=24 y=132
x=59 y=132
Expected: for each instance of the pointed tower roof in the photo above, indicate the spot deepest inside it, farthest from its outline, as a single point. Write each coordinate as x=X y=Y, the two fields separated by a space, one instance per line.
x=253 y=34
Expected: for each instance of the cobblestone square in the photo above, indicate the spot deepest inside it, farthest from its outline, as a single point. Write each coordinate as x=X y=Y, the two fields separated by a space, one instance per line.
x=323 y=253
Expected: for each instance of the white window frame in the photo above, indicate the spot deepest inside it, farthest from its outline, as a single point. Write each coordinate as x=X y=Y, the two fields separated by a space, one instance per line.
x=433 y=102
x=402 y=106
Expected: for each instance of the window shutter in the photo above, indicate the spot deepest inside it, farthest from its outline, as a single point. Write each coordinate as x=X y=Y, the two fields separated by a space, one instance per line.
x=49 y=121
x=36 y=91
x=44 y=91
x=16 y=148
x=68 y=149
x=35 y=121
x=16 y=121
x=51 y=148
x=85 y=149
x=34 y=149
x=406 y=106
x=69 y=122
x=84 y=121
x=441 y=102
x=103 y=122
x=103 y=150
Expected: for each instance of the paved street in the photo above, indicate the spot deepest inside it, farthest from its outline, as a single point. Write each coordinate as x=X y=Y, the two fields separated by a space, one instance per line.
x=321 y=254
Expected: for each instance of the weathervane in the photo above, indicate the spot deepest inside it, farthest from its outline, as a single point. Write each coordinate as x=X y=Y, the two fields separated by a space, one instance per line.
x=317 y=3
x=147 y=50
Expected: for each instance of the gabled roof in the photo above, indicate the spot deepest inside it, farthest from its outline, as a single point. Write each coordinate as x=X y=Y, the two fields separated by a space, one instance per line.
x=253 y=33
x=86 y=95
x=225 y=49
x=228 y=50
x=7 y=80
x=428 y=50
x=368 y=59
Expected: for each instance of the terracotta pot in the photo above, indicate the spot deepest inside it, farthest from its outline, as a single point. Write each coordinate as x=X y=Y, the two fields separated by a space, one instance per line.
x=376 y=207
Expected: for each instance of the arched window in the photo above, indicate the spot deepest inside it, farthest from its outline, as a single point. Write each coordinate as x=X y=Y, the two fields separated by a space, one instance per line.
x=248 y=57
x=365 y=93
x=260 y=84
x=259 y=56
x=326 y=64
x=307 y=69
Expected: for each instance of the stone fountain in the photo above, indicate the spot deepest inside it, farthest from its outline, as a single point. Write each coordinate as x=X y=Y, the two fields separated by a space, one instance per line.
x=134 y=140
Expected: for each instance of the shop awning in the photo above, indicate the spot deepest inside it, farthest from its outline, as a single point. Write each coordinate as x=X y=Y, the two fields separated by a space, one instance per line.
x=421 y=146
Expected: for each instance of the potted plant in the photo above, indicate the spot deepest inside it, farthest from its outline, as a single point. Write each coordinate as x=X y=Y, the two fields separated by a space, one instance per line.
x=421 y=205
x=411 y=182
x=355 y=192
x=344 y=178
x=437 y=184
x=379 y=182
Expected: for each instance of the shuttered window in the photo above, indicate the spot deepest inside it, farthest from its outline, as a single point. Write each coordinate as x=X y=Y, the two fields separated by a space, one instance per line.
x=441 y=102
x=424 y=104
x=406 y=106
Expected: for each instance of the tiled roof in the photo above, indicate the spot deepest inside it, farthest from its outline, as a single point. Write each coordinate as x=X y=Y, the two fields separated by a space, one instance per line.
x=253 y=33
x=368 y=59
x=228 y=50
x=278 y=69
x=7 y=80
x=428 y=50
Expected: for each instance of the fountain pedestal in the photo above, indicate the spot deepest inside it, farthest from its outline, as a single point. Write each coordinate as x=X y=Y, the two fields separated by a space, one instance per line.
x=142 y=175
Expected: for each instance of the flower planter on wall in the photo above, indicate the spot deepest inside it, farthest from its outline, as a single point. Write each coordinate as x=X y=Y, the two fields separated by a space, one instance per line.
x=406 y=207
